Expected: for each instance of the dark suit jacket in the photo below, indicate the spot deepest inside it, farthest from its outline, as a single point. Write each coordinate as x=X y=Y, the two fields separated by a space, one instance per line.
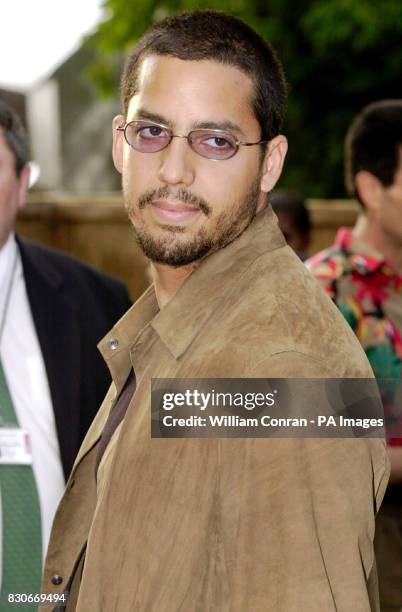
x=73 y=307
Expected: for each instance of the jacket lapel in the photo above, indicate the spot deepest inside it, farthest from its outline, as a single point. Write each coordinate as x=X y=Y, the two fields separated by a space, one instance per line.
x=58 y=328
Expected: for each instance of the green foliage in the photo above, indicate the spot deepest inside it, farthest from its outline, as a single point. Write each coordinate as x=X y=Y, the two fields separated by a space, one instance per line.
x=338 y=56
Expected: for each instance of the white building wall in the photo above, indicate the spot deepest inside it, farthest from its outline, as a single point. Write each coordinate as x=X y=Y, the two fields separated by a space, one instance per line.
x=43 y=117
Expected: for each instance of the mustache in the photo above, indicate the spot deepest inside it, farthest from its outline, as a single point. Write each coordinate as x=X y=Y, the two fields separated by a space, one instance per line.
x=181 y=195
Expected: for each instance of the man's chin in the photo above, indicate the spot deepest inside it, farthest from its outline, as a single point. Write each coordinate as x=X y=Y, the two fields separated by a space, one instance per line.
x=173 y=253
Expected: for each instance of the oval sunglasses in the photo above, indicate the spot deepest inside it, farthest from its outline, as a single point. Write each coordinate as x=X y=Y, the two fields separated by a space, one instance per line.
x=148 y=137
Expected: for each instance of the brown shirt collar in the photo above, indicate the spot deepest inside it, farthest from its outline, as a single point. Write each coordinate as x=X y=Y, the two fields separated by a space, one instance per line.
x=181 y=319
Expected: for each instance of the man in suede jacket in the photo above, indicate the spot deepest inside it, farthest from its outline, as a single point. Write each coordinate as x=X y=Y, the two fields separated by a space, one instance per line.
x=214 y=524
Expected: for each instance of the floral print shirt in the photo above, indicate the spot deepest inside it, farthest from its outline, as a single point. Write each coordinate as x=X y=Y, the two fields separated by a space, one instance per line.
x=369 y=295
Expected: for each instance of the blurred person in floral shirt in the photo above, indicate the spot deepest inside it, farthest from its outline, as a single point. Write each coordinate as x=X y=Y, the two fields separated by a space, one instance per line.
x=362 y=273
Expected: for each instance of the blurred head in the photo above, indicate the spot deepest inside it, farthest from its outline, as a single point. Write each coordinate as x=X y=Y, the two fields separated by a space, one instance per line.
x=199 y=70
x=373 y=154
x=294 y=219
x=14 y=169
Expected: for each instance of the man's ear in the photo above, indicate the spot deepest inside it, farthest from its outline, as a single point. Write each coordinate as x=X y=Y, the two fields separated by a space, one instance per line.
x=369 y=188
x=273 y=162
x=118 y=143
x=23 y=185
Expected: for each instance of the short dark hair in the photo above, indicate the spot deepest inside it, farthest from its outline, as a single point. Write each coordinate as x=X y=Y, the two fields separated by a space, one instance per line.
x=293 y=205
x=372 y=143
x=15 y=135
x=212 y=35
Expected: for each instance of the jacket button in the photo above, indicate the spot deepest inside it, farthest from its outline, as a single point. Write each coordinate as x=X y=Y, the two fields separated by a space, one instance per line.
x=56 y=580
x=113 y=343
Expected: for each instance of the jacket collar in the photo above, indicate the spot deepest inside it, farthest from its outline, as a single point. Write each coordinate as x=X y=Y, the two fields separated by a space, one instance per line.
x=180 y=321
x=49 y=275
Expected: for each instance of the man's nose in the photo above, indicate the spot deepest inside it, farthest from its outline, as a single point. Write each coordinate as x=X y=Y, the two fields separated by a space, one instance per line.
x=177 y=163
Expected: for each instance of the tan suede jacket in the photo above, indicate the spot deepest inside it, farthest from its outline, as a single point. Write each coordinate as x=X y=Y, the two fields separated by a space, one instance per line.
x=224 y=525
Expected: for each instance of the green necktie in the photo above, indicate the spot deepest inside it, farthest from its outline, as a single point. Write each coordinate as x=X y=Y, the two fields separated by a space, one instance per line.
x=22 y=537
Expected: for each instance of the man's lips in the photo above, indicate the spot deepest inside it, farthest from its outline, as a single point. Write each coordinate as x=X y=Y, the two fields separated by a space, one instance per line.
x=174 y=211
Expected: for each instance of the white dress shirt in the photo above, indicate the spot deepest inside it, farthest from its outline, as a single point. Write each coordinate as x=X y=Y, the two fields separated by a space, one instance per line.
x=26 y=377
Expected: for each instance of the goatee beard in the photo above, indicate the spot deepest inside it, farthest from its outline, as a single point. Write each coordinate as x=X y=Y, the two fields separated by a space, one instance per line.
x=173 y=251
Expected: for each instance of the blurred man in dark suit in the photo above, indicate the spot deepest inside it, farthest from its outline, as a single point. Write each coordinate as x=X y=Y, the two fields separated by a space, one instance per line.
x=53 y=311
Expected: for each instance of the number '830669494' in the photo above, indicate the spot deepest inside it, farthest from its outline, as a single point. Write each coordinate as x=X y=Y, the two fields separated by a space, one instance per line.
x=17 y=598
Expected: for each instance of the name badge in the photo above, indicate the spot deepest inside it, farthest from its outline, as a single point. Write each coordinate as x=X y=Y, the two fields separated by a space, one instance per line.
x=15 y=447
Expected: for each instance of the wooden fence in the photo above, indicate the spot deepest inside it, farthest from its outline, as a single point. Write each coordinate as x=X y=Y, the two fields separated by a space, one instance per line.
x=95 y=228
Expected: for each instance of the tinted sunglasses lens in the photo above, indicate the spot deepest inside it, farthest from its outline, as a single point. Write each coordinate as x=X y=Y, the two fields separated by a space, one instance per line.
x=146 y=137
x=212 y=145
